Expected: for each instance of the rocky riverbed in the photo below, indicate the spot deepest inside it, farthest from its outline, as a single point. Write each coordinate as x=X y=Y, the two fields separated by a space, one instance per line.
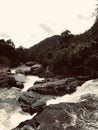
x=11 y=87
x=48 y=104
x=67 y=104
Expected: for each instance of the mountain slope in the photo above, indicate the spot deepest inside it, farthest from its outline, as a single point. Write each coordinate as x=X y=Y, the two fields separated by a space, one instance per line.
x=69 y=54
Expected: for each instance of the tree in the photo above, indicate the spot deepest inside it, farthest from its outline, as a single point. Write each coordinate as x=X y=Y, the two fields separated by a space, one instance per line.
x=22 y=54
x=65 y=33
x=10 y=43
x=66 y=36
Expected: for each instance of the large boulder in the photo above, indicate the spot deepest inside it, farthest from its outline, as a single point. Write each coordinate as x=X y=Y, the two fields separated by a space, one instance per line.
x=32 y=102
x=19 y=84
x=8 y=81
x=57 y=87
x=37 y=69
x=65 y=116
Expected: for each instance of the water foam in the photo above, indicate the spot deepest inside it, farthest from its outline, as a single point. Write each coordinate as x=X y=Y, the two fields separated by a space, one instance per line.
x=89 y=87
x=10 y=112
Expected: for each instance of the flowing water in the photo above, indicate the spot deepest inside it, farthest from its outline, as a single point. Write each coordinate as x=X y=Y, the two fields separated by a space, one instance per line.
x=88 y=88
x=10 y=112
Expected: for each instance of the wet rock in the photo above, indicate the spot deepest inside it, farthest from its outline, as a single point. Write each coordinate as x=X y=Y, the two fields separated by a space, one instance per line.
x=4 y=69
x=30 y=63
x=57 y=87
x=23 y=71
x=66 y=116
x=11 y=81
x=39 y=82
x=45 y=81
x=32 y=102
x=19 y=85
x=8 y=81
x=37 y=69
x=35 y=99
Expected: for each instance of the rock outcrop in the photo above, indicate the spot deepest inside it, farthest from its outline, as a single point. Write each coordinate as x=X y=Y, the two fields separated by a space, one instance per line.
x=35 y=99
x=25 y=71
x=6 y=80
x=57 y=87
x=65 y=116
x=36 y=69
x=82 y=115
x=32 y=102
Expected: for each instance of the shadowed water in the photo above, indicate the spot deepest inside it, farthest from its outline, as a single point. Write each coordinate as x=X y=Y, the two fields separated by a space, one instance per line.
x=10 y=112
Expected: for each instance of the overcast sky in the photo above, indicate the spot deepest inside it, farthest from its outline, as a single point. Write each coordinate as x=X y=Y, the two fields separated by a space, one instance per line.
x=27 y=22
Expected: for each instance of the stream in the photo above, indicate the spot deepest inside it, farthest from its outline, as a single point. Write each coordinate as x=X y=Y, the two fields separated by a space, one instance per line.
x=10 y=112
x=90 y=87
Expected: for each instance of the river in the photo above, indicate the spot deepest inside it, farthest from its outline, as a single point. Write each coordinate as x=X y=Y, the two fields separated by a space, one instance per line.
x=10 y=112
x=90 y=87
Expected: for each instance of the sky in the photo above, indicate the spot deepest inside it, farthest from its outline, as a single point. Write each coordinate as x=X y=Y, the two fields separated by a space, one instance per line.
x=27 y=22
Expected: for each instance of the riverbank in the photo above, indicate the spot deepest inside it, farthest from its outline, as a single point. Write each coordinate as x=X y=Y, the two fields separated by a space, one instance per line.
x=72 y=109
x=10 y=111
x=49 y=104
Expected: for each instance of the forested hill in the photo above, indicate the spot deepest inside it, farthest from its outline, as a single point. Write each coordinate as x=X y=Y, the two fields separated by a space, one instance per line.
x=69 y=54
x=43 y=46
x=64 y=55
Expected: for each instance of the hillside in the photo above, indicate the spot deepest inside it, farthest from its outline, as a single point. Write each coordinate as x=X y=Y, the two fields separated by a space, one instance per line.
x=69 y=54
x=45 y=45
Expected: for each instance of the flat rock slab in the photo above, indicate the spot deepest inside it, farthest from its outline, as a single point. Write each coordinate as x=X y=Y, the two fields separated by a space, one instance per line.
x=57 y=87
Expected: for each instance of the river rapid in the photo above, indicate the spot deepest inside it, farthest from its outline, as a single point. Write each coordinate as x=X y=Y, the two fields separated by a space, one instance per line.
x=10 y=112
x=88 y=88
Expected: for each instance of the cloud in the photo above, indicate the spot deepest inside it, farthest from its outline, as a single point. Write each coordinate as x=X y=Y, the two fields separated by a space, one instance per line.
x=82 y=17
x=46 y=28
x=4 y=35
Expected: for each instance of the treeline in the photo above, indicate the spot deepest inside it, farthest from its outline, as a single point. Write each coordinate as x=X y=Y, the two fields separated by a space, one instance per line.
x=64 y=54
x=69 y=54
x=11 y=56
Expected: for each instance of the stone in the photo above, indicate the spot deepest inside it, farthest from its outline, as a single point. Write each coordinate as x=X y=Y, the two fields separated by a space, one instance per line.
x=30 y=63
x=32 y=102
x=57 y=87
x=66 y=116
x=19 y=85
x=37 y=69
x=8 y=81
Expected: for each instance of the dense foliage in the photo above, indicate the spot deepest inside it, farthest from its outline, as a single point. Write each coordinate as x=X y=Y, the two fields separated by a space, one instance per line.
x=69 y=54
x=11 y=56
x=64 y=54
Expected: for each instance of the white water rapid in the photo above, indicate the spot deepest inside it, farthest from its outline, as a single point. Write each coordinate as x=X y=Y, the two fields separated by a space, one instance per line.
x=10 y=112
x=89 y=87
